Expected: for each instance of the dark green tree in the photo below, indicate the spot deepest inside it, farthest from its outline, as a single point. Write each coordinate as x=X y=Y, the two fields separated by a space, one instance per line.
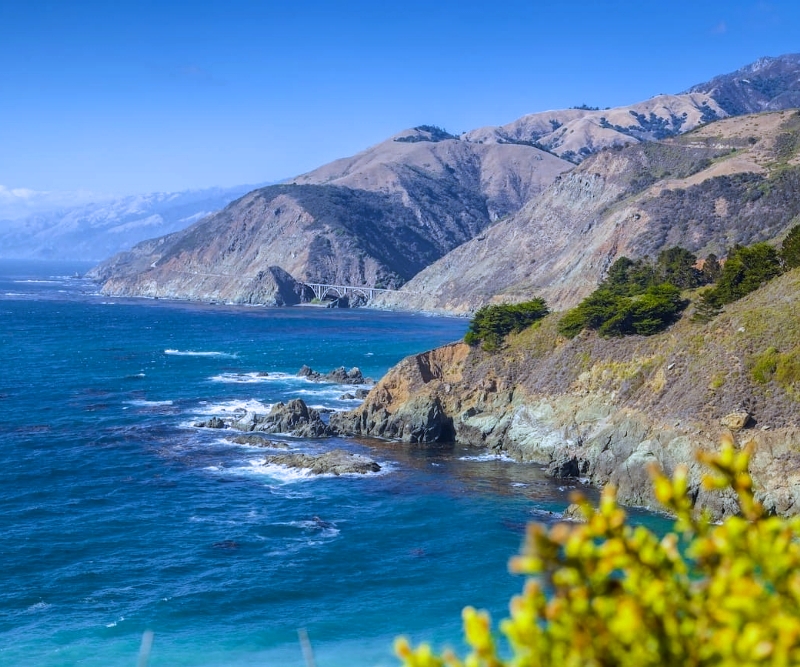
x=746 y=269
x=790 y=250
x=676 y=266
x=712 y=269
x=491 y=324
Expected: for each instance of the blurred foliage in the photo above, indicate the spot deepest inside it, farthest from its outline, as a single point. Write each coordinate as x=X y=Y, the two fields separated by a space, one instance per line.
x=604 y=593
x=491 y=324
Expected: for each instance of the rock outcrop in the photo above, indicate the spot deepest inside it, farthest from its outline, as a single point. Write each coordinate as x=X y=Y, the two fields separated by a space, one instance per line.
x=294 y=417
x=604 y=409
x=338 y=375
x=336 y=462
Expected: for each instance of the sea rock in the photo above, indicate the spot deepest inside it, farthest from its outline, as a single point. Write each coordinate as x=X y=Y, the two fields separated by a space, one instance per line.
x=336 y=462
x=736 y=421
x=338 y=375
x=214 y=422
x=258 y=440
x=347 y=397
x=294 y=417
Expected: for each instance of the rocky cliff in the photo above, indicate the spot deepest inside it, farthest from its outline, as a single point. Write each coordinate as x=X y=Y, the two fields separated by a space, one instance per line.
x=603 y=409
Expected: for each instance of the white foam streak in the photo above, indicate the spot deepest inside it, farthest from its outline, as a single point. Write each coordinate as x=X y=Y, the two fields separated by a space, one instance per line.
x=196 y=353
x=487 y=457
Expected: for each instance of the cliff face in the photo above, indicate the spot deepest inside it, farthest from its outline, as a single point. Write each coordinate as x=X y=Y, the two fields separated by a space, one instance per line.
x=733 y=181
x=604 y=409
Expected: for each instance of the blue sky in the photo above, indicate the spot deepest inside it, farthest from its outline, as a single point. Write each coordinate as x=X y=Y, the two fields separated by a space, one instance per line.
x=124 y=97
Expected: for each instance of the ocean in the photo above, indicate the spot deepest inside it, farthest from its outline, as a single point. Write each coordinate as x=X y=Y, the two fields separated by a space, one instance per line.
x=119 y=516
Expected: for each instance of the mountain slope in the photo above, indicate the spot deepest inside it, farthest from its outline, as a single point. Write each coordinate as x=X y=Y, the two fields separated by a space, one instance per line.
x=96 y=231
x=734 y=181
x=375 y=219
x=380 y=217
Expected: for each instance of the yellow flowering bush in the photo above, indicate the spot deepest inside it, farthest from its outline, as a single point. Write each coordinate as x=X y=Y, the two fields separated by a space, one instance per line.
x=605 y=593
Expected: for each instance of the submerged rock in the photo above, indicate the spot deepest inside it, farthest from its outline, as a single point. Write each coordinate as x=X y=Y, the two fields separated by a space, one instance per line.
x=258 y=440
x=336 y=462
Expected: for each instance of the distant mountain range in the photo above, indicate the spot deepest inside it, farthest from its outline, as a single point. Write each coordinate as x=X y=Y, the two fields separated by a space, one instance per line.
x=95 y=231
x=543 y=204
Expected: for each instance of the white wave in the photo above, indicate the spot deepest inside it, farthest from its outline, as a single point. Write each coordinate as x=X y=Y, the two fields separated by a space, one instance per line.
x=13 y=294
x=278 y=473
x=233 y=406
x=487 y=457
x=50 y=282
x=37 y=606
x=113 y=624
x=519 y=484
x=145 y=404
x=196 y=353
x=317 y=525
x=242 y=378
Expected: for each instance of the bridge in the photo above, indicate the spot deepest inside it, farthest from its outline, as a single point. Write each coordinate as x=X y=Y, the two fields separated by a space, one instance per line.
x=322 y=290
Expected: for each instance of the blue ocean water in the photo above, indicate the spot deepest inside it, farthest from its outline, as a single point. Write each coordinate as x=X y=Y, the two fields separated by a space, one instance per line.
x=118 y=516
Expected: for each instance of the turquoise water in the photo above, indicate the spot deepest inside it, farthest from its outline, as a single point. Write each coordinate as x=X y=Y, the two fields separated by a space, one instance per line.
x=119 y=516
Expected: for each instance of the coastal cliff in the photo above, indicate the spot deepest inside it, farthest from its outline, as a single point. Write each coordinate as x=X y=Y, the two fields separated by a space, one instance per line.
x=604 y=409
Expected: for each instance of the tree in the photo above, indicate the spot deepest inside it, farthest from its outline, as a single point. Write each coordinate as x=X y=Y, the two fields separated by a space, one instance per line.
x=607 y=594
x=491 y=324
x=711 y=269
x=790 y=249
x=746 y=269
x=676 y=266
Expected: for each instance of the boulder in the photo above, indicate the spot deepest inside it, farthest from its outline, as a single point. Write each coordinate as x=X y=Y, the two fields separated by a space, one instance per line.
x=736 y=421
x=336 y=462
x=214 y=422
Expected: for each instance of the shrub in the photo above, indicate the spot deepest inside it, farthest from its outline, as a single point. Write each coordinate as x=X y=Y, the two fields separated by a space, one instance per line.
x=605 y=593
x=491 y=324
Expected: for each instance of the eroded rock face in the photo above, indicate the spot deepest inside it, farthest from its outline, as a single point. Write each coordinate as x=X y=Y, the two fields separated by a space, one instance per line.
x=336 y=462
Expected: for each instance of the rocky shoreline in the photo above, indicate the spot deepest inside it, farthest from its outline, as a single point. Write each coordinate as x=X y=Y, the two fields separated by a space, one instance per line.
x=606 y=409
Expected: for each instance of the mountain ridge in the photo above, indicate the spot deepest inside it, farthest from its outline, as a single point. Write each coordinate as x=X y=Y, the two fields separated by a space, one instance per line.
x=425 y=197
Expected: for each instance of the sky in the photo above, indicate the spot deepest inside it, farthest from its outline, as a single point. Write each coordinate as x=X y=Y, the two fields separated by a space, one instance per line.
x=113 y=98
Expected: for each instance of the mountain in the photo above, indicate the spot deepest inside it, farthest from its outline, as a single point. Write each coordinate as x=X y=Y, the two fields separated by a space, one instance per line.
x=574 y=134
x=98 y=230
x=377 y=219
x=734 y=181
x=498 y=212
x=768 y=84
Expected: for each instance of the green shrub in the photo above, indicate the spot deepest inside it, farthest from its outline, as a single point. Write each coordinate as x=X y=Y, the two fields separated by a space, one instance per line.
x=764 y=365
x=607 y=594
x=491 y=324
